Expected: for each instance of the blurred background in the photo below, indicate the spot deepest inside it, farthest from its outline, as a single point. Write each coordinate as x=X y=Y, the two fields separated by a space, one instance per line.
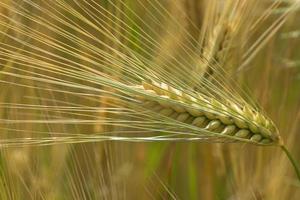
x=140 y=170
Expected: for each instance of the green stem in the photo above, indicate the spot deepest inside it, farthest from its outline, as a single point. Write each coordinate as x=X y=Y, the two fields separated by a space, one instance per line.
x=295 y=165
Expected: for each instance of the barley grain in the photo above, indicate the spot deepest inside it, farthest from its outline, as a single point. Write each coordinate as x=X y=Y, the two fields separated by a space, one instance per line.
x=209 y=114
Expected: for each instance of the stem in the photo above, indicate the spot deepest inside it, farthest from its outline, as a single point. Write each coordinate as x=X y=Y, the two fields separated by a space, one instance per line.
x=295 y=165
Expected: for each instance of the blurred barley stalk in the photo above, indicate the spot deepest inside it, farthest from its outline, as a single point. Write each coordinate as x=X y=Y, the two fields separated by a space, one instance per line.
x=57 y=60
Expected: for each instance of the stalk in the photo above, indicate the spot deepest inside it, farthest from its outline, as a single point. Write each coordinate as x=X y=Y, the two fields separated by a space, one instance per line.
x=292 y=160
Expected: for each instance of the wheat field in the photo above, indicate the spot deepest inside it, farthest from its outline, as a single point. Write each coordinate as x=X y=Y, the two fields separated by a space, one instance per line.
x=149 y=99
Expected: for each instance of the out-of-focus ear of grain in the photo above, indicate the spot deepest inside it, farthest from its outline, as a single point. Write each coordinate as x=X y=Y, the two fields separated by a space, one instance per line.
x=3 y=12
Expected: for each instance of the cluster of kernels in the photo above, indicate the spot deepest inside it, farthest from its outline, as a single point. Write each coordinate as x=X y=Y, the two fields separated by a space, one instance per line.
x=190 y=111
x=218 y=42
